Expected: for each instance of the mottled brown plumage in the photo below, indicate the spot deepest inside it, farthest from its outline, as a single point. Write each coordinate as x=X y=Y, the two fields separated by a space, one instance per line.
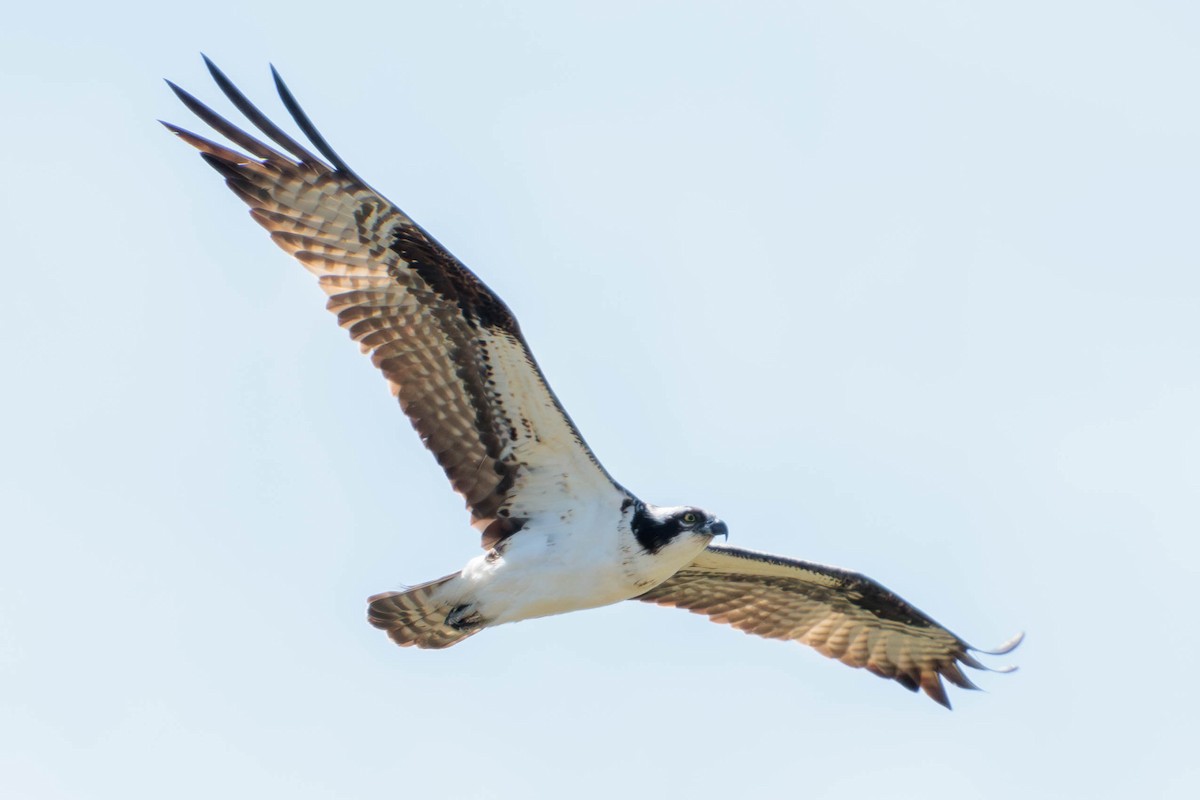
x=434 y=330
x=566 y=536
x=840 y=614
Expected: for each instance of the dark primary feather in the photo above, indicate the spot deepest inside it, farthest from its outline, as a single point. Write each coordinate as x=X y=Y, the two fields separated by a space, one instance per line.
x=306 y=125
x=256 y=117
x=841 y=614
x=453 y=354
x=450 y=349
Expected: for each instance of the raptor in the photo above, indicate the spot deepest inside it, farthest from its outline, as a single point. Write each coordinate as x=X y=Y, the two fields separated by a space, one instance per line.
x=559 y=534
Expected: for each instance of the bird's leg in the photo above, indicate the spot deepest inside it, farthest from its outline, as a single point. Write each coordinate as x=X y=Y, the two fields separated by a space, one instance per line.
x=464 y=617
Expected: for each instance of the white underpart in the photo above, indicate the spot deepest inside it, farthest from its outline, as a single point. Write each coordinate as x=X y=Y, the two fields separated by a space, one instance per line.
x=582 y=557
x=542 y=439
x=576 y=549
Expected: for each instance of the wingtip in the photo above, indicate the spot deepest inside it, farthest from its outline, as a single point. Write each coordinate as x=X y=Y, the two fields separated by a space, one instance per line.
x=310 y=130
x=213 y=69
x=1005 y=648
x=282 y=88
x=931 y=684
x=218 y=75
x=176 y=88
x=1009 y=646
x=188 y=99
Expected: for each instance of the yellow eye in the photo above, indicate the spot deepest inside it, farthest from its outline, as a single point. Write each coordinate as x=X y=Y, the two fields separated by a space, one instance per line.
x=690 y=518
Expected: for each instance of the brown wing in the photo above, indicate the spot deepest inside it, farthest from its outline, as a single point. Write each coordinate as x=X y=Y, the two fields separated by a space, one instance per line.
x=449 y=348
x=841 y=614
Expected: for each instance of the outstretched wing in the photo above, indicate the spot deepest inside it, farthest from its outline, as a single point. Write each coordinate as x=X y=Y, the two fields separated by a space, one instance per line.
x=449 y=348
x=841 y=614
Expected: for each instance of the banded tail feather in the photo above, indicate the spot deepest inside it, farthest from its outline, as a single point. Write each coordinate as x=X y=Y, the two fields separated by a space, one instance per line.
x=418 y=616
x=559 y=534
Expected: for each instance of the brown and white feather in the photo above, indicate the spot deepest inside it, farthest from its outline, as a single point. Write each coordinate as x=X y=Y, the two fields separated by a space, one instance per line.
x=453 y=355
x=449 y=348
x=840 y=614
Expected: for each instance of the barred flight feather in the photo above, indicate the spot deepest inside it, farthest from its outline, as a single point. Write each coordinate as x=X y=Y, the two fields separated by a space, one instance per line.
x=561 y=534
x=840 y=614
x=429 y=324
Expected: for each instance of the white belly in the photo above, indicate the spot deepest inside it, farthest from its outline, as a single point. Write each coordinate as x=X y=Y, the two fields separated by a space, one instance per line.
x=556 y=566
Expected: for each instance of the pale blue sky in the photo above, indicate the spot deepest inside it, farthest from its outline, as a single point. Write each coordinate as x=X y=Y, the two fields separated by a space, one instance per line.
x=911 y=288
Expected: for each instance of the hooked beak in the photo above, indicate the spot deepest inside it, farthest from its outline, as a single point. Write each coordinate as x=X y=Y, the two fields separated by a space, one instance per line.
x=718 y=528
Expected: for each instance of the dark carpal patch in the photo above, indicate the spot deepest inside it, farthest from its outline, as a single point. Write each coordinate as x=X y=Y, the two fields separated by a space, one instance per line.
x=433 y=332
x=447 y=276
x=884 y=603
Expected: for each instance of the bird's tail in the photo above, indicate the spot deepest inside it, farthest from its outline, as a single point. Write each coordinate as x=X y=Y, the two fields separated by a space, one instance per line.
x=421 y=616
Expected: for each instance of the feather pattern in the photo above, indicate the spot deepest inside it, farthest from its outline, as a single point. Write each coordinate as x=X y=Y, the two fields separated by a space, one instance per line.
x=450 y=349
x=840 y=614
x=453 y=355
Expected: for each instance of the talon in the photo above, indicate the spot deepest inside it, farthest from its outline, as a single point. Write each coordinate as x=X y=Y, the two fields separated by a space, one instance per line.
x=463 y=617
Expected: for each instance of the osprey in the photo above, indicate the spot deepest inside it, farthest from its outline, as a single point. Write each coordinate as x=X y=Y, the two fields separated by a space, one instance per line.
x=558 y=533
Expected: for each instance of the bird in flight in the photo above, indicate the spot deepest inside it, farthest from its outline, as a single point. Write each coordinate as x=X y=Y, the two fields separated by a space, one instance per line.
x=559 y=534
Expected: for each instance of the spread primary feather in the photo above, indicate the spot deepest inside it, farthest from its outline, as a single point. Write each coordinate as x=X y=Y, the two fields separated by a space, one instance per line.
x=559 y=534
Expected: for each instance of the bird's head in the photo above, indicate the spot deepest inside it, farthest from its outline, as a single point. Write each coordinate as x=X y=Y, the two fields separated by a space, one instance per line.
x=659 y=526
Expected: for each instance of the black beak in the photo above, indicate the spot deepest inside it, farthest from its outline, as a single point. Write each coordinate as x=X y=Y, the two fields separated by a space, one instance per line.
x=718 y=528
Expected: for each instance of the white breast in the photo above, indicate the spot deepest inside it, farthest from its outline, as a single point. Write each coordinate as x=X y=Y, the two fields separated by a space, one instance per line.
x=582 y=557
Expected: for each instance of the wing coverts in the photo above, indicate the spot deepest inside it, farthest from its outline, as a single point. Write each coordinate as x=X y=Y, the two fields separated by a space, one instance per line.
x=450 y=349
x=841 y=614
